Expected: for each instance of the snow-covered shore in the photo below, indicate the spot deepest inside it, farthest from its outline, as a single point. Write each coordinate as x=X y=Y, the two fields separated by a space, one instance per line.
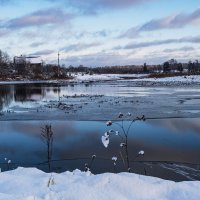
x=33 y=184
x=135 y=78
x=141 y=80
x=184 y=79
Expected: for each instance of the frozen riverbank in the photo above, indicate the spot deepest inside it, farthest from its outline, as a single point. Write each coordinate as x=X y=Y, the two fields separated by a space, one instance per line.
x=32 y=184
x=141 y=79
x=136 y=79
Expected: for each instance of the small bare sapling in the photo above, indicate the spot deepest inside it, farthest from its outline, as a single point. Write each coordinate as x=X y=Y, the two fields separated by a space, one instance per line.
x=122 y=134
x=88 y=167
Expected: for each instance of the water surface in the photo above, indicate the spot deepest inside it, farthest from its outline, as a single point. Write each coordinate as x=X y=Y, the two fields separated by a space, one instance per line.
x=163 y=141
x=28 y=95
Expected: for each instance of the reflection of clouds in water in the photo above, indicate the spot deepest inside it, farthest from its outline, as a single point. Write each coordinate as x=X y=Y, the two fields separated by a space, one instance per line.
x=178 y=125
x=68 y=137
x=33 y=128
x=8 y=149
x=83 y=139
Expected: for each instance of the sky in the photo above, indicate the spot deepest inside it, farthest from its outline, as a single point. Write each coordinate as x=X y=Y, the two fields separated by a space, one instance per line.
x=101 y=32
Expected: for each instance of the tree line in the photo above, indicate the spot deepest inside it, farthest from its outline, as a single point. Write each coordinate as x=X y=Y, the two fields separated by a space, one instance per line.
x=12 y=69
x=170 y=66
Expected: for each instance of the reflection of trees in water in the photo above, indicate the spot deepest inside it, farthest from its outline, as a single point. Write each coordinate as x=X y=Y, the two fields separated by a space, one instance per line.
x=6 y=96
x=56 y=90
x=47 y=137
x=26 y=92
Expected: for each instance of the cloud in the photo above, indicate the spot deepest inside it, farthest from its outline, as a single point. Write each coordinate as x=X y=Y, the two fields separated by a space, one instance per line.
x=39 y=18
x=97 y=59
x=112 y=59
x=92 y=7
x=170 y=22
x=43 y=53
x=138 y=45
x=94 y=34
x=184 y=49
x=4 y=33
x=79 y=46
x=36 y=44
x=101 y=59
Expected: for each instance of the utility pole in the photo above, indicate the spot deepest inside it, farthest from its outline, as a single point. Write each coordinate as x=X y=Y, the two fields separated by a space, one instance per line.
x=58 y=63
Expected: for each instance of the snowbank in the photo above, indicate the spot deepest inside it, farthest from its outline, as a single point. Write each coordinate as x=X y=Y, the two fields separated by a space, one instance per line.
x=184 y=79
x=33 y=184
x=104 y=77
x=136 y=78
x=112 y=77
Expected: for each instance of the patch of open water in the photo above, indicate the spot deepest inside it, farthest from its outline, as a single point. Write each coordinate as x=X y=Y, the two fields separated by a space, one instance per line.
x=171 y=147
x=23 y=95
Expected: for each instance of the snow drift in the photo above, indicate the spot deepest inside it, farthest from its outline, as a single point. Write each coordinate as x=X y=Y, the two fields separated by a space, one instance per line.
x=33 y=184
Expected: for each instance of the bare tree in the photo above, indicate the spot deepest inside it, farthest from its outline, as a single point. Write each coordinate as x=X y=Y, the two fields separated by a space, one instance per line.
x=4 y=63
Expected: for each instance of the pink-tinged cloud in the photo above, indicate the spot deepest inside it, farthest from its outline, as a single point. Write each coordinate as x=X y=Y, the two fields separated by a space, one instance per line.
x=4 y=33
x=93 y=6
x=174 y=21
x=39 y=18
x=170 y=22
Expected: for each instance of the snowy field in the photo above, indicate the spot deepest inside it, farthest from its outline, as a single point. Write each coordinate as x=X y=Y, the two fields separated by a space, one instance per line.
x=115 y=77
x=32 y=184
x=193 y=78
x=105 y=77
x=136 y=77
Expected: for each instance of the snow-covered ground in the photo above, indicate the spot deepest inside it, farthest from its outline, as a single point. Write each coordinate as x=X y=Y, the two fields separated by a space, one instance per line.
x=32 y=184
x=120 y=77
x=104 y=77
x=136 y=78
x=192 y=78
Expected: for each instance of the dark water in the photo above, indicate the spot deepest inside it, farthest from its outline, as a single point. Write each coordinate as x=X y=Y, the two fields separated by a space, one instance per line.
x=171 y=146
x=29 y=95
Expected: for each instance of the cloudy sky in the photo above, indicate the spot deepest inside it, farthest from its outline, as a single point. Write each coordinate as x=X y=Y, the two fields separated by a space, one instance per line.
x=101 y=32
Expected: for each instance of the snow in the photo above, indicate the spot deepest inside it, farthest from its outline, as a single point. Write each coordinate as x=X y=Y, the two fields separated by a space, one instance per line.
x=139 y=77
x=118 y=77
x=141 y=152
x=33 y=184
x=105 y=140
x=114 y=159
x=109 y=123
x=185 y=79
x=104 y=77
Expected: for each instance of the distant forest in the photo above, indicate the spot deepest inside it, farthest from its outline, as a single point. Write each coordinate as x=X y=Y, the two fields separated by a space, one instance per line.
x=20 y=69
